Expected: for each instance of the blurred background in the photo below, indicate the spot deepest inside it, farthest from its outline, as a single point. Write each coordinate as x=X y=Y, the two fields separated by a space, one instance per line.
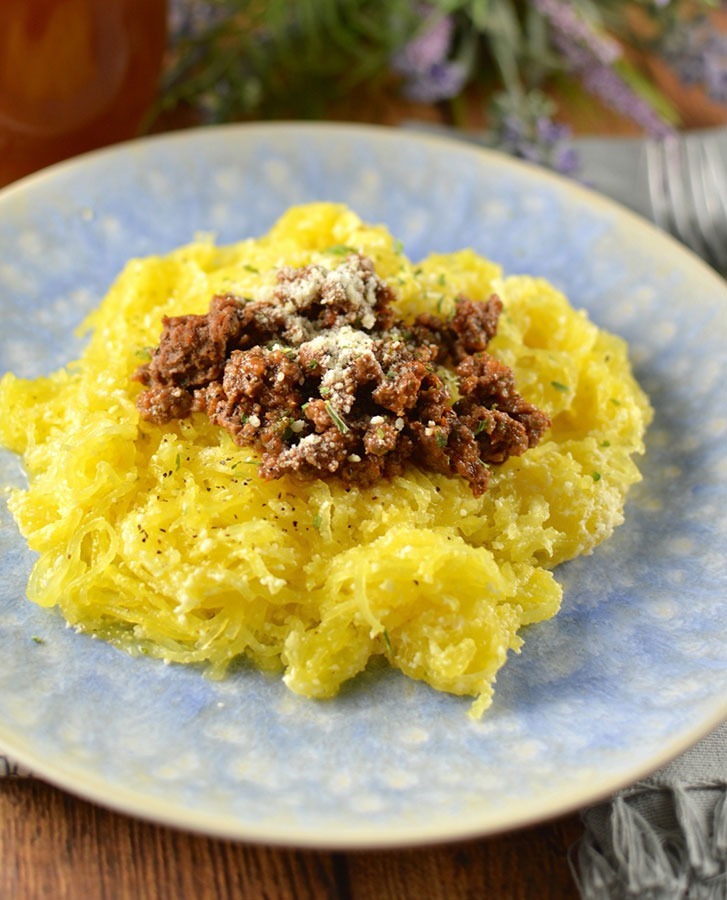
x=523 y=77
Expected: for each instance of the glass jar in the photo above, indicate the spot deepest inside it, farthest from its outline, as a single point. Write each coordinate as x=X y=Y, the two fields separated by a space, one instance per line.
x=74 y=75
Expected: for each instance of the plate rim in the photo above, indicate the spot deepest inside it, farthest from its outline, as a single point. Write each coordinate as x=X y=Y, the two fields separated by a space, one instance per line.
x=159 y=810
x=375 y=131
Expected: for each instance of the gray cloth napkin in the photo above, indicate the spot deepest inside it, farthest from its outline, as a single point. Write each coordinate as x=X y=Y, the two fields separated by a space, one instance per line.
x=663 y=838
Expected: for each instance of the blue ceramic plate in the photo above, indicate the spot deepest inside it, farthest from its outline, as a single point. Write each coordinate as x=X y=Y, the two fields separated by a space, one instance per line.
x=631 y=672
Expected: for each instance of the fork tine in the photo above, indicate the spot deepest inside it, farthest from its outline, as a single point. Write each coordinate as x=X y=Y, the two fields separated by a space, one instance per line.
x=687 y=182
x=679 y=191
x=669 y=201
x=709 y=179
x=656 y=181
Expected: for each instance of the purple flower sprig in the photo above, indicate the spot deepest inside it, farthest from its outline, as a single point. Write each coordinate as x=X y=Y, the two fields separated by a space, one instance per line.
x=425 y=63
x=604 y=81
x=189 y=19
x=698 y=55
x=568 y=21
x=593 y=57
x=524 y=127
x=229 y=59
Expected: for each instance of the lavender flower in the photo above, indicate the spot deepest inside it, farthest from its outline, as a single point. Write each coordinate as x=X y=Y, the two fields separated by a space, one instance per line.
x=715 y=73
x=567 y=20
x=192 y=18
x=604 y=82
x=279 y=66
x=698 y=54
x=428 y=72
x=525 y=128
x=429 y=48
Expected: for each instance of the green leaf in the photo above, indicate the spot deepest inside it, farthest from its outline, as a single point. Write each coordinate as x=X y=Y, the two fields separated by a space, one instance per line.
x=340 y=249
x=336 y=419
x=648 y=91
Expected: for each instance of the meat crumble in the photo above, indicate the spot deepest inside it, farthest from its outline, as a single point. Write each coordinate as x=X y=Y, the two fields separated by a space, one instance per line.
x=326 y=382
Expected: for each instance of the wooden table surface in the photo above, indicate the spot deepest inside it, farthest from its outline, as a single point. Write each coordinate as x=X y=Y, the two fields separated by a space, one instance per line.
x=56 y=846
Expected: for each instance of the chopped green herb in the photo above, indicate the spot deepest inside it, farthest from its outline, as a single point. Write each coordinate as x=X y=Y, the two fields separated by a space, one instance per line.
x=606 y=443
x=387 y=641
x=441 y=438
x=337 y=420
x=290 y=352
x=596 y=476
x=38 y=640
x=143 y=353
x=325 y=392
x=317 y=521
x=615 y=401
x=248 y=268
x=340 y=249
x=560 y=387
x=177 y=463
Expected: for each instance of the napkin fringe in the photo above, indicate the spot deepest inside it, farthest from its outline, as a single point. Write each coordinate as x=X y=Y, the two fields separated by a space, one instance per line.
x=720 y=829
x=677 y=856
x=701 y=845
x=10 y=769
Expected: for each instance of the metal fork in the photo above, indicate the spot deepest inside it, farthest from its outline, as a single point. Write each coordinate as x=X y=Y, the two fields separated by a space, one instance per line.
x=687 y=178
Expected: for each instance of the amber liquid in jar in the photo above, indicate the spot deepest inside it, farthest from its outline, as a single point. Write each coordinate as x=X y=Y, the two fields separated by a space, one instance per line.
x=74 y=75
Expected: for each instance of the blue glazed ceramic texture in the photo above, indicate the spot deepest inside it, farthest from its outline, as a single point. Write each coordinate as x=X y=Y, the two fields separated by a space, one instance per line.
x=632 y=670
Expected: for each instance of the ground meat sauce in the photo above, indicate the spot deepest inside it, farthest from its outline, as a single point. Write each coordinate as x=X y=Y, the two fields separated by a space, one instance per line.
x=325 y=382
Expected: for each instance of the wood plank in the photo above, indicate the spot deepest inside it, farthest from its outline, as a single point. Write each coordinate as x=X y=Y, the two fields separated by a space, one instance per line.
x=526 y=865
x=56 y=846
